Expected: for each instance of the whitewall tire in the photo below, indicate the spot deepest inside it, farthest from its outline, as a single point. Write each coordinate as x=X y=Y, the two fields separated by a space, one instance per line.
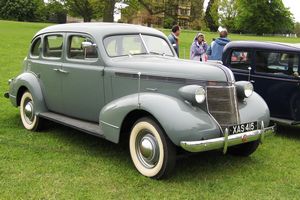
x=152 y=153
x=27 y=111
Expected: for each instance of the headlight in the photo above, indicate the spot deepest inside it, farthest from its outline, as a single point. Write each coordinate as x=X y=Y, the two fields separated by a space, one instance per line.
x=244 y=89
x=200 y=95
x=193 y=93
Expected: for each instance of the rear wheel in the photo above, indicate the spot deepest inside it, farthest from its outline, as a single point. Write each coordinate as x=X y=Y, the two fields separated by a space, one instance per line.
x=27 y=111
x=244 y=149
x=152 y=153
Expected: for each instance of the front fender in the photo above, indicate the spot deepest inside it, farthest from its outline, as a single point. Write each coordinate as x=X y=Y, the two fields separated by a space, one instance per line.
x=254 y=108
x=30 y=82
x=179 y=119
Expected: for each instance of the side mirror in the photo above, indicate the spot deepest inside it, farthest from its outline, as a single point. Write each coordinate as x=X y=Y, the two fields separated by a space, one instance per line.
x=87 y=45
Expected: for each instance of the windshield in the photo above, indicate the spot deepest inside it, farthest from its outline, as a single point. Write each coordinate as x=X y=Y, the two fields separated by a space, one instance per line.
x=126 y=45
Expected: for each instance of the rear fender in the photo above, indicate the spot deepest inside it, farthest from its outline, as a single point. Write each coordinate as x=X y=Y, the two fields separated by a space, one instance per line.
x=27 y=81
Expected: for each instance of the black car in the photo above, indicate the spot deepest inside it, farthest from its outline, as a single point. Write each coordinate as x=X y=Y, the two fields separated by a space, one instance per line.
x=273 y=68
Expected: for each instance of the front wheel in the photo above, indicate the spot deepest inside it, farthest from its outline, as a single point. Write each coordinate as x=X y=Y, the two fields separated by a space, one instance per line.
x=152 y=153
x=244 y=149
x=27 y=111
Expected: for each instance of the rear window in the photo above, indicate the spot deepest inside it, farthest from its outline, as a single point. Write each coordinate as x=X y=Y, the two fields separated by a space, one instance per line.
x=35 y=47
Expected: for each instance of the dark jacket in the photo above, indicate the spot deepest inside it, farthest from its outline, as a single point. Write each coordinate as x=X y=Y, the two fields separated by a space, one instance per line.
x=215 y=50
x=174 y=41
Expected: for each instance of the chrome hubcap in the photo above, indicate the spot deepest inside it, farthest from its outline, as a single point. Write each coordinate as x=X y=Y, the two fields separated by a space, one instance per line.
x=28 y=112
x=147 y=150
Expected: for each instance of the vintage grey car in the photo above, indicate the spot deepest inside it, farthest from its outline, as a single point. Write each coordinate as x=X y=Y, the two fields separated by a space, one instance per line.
x=125 y=83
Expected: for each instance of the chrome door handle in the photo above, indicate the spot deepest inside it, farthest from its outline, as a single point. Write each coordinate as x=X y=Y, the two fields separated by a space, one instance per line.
x=63 y=71
x=60 y=70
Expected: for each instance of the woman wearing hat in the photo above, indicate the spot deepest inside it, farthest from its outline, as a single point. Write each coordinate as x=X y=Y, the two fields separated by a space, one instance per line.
x=198 y=48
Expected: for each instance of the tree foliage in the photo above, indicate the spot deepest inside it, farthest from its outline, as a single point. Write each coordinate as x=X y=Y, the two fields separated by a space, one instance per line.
x=196 y=18
x=211 y=15
x=227 y=14
x=81 y=8
x=22 y=10
x=263 y=16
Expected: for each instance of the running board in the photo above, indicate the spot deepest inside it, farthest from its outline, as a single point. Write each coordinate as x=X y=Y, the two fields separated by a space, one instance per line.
x=285 y=121
x=84 y=126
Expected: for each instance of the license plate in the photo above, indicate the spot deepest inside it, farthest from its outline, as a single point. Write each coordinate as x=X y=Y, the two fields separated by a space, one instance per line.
x=241 y=128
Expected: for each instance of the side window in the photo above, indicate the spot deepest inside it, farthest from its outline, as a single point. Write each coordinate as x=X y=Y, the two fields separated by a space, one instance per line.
x=53 y=46
x=77 y=51
x=35 y=47
x=277 y=63
x=240 y=59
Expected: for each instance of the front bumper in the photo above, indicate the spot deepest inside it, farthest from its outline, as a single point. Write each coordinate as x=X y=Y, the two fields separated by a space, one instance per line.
x=228 y=140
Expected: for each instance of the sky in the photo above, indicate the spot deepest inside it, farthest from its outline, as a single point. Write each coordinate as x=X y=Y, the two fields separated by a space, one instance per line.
x=292 y=4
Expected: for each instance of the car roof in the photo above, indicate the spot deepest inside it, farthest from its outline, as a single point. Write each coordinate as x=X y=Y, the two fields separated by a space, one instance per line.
x=264 y=45
x=99 y=28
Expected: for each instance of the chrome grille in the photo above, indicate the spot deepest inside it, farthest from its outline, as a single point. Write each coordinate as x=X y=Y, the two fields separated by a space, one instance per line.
x=222 y=105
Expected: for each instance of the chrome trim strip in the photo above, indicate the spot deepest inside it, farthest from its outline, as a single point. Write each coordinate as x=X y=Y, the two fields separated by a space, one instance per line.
x=108 y=124
x=12 y=96
x=224 y=142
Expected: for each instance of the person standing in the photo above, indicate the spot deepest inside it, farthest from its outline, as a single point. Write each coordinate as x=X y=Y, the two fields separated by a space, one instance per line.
x=215 y=50
x=174 y=38
x=198 y=48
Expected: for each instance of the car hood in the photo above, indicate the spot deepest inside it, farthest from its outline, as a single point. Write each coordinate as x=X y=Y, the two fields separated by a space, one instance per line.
x=172 y=67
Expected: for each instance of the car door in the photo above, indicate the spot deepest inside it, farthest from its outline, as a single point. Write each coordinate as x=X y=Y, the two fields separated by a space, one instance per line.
x=45 y=61
x=82 y=83
x=276 y=79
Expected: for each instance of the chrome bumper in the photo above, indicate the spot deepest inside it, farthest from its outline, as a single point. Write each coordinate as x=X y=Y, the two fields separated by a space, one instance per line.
x=228 y=140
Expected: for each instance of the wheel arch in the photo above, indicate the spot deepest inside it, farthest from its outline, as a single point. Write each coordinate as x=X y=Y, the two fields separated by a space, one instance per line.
x=179 y=120
x=28 y=82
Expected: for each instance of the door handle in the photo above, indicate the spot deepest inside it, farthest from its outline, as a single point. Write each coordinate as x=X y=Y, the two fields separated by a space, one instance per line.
x=63 y=71
x=60 y=70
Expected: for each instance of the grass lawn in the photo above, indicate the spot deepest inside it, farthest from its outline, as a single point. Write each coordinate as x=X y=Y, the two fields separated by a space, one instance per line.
x=61 y=163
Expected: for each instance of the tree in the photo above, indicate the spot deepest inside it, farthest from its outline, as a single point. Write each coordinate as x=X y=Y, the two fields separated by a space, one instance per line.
x=108 y=12
x=227 y=14
x=81 y=8
x=196 y=18
x=129 y=13
x=56 y=11
x=267 y=16
x=21 y=10
x=211 y=15
x=297 y=29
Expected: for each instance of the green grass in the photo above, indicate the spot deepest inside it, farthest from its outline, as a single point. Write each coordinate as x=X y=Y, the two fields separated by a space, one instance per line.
x=61 y=163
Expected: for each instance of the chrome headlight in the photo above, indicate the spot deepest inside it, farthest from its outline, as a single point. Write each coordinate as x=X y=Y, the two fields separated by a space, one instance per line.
x=193 y=93
x=200 y=94
x=244 y=89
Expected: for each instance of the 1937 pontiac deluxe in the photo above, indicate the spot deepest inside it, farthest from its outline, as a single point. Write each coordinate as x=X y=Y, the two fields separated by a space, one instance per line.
x=118 y=80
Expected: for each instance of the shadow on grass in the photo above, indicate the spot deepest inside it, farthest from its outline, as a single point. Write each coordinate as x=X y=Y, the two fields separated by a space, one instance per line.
x=205 y=165
x=288 y=131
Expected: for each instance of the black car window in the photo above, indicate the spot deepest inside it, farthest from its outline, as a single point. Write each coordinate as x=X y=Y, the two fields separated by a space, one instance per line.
x=76 y=50
x=278 y=63
x=240 y=59
x=35 y=47
x=53 y=46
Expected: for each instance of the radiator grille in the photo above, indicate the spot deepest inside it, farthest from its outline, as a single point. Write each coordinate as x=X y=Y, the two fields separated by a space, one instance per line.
x=222 y=105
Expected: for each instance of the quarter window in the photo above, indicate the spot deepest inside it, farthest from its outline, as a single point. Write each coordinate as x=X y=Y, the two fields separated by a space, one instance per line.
x=277 y=63
x=53 y=46
x=76 y=49
x=240 y=59
x=35 y=48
